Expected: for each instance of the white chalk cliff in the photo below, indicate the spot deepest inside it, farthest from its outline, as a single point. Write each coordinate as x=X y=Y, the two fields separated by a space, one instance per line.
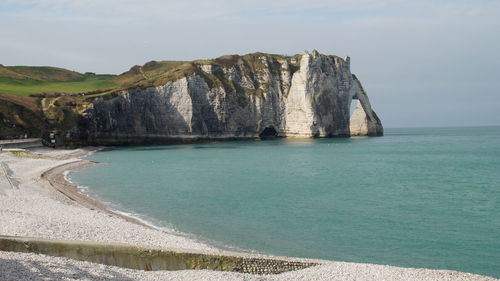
x=306 y=95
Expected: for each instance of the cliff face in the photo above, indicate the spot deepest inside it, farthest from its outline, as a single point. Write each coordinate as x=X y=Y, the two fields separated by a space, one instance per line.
x=306 y=95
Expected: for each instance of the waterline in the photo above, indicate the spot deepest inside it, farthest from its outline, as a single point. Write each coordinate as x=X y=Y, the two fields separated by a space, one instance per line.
x=416 y=197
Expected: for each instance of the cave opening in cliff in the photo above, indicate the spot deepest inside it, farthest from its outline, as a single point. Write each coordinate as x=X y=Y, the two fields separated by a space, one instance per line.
x=268 y=133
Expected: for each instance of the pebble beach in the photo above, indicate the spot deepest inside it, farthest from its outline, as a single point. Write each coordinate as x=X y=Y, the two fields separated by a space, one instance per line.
x=36 y=201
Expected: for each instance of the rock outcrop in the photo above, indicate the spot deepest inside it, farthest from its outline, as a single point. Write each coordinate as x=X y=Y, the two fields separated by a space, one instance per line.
x=256 y=95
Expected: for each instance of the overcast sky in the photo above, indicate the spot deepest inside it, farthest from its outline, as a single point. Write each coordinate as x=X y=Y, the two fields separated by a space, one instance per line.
x=423 y=63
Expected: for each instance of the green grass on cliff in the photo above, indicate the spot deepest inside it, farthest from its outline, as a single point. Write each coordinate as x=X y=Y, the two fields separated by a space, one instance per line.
x=157 y=73
x=45 y=73
x=151 y=71
x=25 y=87
x=25 y=80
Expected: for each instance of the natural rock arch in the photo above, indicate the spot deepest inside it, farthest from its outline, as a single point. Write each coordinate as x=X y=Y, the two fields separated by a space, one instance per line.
x=363 y=120
x=358 y=124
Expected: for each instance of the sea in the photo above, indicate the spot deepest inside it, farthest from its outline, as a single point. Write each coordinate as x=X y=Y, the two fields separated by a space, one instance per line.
x=416 y=197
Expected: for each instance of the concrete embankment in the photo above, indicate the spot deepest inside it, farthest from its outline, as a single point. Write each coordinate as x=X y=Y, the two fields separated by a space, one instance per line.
x=127 y=256
x=21 y=143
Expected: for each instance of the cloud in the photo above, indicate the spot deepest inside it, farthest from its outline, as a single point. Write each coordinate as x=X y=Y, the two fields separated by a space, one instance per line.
x=436 y=55
x=107 y=11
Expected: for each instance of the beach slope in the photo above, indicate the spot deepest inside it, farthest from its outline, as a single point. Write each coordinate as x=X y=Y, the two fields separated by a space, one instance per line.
x=36 y=201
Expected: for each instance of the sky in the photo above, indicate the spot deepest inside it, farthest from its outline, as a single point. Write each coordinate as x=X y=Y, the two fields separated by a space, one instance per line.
x=426 y=63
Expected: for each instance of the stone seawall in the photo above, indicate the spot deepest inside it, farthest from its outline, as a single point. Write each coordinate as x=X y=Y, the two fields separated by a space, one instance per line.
x=127 y=256
x=21 y=143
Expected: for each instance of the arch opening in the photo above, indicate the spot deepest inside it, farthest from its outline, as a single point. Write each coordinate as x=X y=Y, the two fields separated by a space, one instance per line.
x=354 y=103
x=358 y=122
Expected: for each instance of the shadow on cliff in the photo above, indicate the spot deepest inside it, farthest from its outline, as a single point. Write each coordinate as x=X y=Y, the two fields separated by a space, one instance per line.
x=145 y=117
x=236 y=113
x=204 y=120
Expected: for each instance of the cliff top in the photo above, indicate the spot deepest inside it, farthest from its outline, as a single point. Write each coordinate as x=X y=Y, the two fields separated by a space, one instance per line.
x=29 y=80
x=157 y=73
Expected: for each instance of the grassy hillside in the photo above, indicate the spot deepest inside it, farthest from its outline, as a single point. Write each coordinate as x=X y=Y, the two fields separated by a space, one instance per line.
x=25 y=87
x=25 y=80
x=148 y=71
x=7 y=73
x=21 y=114
x=46 y=73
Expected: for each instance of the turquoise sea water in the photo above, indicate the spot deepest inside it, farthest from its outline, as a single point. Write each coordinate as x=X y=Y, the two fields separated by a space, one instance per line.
x=414 y=198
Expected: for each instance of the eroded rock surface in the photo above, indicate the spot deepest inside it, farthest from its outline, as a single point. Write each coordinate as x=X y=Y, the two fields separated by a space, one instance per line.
x=306 y=95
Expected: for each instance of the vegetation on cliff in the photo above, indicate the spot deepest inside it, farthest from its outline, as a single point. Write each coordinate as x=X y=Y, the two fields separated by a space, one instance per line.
x=36 y=99
x=26 y=80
